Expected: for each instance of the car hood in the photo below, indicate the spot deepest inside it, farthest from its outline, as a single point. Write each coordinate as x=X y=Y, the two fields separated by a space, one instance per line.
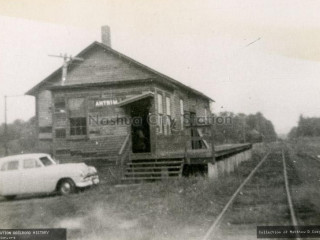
x=74 y=167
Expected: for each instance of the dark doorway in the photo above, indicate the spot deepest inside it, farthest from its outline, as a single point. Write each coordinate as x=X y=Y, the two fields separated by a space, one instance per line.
x=140 y=129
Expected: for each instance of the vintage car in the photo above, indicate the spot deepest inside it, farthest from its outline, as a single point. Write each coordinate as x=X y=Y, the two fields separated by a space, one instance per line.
x=39 y=173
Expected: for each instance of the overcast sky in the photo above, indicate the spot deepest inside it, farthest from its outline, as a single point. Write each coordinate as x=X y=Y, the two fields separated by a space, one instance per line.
x=204 y=44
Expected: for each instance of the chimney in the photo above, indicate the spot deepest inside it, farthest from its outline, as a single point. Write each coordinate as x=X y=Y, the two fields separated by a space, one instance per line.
x=105 y=35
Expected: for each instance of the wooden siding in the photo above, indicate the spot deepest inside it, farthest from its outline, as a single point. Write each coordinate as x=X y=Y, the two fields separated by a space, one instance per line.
x=44 y=108
x=102 y=137
x=177 y=139
x=102 y=66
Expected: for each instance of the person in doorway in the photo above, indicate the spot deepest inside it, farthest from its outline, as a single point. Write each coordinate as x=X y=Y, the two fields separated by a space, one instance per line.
x=139 y=140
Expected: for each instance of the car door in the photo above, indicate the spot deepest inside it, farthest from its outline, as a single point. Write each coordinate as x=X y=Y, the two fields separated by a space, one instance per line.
x=31 y=176
x=10 y=178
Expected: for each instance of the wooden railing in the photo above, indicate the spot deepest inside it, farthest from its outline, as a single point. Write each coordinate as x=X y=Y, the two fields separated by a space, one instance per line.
x=124 y=152
x=198 y=140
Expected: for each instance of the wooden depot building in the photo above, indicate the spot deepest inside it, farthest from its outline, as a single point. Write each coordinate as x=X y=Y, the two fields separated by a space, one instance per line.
x=110 y=110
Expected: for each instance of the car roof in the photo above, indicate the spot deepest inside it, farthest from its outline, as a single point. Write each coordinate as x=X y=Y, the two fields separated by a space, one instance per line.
x=23 y=156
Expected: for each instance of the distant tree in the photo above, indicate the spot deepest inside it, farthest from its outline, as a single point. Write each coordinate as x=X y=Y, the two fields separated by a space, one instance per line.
x=293 y=133
x=245 y=128
x=21 y=136
x=307 y=127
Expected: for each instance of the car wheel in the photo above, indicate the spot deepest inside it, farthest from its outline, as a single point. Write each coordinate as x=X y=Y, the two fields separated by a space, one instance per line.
x=66 y=187
x=10 y=197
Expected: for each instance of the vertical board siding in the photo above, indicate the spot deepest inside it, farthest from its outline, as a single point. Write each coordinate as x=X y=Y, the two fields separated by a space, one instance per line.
x=44 y=108
x=103 y=66
x=177 y=140
x=100 y=66
x=106 y=131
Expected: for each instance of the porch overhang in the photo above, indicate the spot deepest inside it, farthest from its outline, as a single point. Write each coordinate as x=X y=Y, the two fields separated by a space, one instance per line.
x=135 y=99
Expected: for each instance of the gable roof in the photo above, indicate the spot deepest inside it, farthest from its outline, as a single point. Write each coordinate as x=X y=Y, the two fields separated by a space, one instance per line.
x=33 y=90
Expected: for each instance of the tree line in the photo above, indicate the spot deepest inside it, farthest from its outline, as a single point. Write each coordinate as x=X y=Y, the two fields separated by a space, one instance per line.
x=307 y=127
x=20 y=138
x=244 y=128
x=21 y=135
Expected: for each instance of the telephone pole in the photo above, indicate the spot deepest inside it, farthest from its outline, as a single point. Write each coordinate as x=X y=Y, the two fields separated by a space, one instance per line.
x=66 y=61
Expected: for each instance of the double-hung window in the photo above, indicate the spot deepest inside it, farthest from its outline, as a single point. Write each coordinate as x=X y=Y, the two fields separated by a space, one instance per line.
x=181 y=114
x=160 y=112
x=168 y=116
x=77 y=117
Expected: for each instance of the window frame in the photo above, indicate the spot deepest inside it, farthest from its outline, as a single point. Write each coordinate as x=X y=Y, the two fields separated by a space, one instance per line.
x=5 y=165
x=76 y=128
x=60 y=109
x=60 y=136
x=181 y=103
x=160 y=103
x=36 y=161
x=168 y=105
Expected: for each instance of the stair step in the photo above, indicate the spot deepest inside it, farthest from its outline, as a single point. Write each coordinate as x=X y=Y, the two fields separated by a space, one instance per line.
x=150 y=178
x=133 y=167
x=155 y=163
x=157 y=160
x=153 y=173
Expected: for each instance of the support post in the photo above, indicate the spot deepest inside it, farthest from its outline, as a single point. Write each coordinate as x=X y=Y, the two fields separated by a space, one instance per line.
x=212 y=144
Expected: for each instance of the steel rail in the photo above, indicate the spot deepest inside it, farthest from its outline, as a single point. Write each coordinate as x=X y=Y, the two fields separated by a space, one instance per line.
x=210 y=231
x=292 y=213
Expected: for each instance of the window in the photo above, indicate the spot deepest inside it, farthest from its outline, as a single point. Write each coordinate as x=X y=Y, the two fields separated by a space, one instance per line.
x=160 y=123
x=60 y=106
x=205 y=116
x=160 y=113
x=168 y=106
x=45 y=129
x=13 y=165
x=46 y=161
x=60 y=133
x=167 y=125
x=181 y=114
x=78 y=121
x=78 y=126
x=30 y=163
x=76 y=104
x=160 y=104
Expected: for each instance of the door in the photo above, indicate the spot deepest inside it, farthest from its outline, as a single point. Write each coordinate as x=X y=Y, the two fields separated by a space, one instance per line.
x=10 y=178
x=140 y=129
x=32 y=176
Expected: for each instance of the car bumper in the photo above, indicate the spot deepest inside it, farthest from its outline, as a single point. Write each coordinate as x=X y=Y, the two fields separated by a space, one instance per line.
x=88 y=181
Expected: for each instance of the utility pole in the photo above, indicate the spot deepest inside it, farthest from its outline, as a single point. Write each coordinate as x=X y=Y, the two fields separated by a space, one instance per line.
x=5 y=126
x=66 y=61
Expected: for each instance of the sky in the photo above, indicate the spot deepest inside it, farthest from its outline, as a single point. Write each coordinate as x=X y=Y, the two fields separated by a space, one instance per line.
x=247 y=55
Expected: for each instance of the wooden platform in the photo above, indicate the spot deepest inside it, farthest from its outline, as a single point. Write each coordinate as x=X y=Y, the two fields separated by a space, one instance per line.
x=221 y=151
x=170 y=165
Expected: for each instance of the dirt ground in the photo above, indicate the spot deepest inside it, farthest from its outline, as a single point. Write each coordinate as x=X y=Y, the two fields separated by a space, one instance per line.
x=179 y=209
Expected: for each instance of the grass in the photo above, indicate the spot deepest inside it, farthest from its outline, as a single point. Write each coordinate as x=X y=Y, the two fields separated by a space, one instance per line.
x=262 y=201
x=178 y=209
x=306 y=192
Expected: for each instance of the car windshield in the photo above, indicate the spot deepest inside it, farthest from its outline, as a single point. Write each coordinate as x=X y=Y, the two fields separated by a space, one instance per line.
x=46 y=161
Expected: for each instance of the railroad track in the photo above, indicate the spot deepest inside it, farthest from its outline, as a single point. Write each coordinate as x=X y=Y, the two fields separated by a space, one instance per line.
x=263 y=198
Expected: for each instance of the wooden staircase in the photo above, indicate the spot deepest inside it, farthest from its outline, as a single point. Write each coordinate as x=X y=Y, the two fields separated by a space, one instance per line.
x=152 y=169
